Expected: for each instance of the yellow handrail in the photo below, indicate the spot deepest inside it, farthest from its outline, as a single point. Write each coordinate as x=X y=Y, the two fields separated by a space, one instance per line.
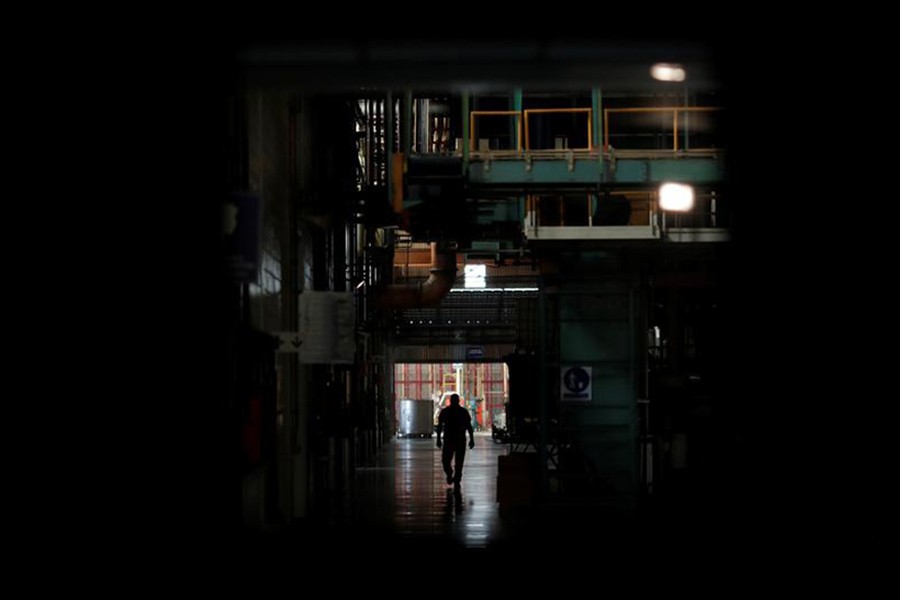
x=516 y=113
x=675 y=110
x=590 y=122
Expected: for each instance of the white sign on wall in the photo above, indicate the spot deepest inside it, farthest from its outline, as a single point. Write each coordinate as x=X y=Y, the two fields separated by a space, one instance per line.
x=327 y=328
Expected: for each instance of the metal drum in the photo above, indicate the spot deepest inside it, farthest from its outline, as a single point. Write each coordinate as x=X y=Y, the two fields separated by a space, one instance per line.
x=416 y=418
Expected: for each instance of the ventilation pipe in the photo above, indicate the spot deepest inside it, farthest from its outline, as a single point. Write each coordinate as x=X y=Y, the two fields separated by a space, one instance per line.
x=426 y=293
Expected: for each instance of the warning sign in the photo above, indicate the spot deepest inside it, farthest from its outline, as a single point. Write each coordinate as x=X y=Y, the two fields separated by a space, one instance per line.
x=575 y=384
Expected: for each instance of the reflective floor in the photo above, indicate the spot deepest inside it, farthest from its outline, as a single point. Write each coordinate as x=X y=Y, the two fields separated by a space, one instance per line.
x=405 y=491
x=399 y=511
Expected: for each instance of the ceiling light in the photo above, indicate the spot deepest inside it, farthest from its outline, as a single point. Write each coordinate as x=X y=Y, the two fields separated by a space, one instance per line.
x=667 y=72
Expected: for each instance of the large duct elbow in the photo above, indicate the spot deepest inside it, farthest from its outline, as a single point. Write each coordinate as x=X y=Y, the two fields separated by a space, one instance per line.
x=426 y=293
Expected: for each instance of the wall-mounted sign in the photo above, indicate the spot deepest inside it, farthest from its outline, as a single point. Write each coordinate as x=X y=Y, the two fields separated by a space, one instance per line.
x=575 y=384
x=327 y=328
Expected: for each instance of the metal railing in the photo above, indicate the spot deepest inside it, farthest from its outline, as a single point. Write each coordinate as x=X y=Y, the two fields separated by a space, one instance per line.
x=675 y=110
x=646 y=202
x=495 y=113
x=545 y=111
x=523 y=142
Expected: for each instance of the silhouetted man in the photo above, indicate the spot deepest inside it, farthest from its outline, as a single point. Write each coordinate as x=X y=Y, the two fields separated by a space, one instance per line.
x=453 y=422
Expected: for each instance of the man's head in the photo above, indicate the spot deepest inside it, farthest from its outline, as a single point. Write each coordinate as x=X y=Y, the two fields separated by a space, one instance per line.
x=454 y=399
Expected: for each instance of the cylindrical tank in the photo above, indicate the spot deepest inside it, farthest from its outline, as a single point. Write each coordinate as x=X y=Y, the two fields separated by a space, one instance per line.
x=416 y=418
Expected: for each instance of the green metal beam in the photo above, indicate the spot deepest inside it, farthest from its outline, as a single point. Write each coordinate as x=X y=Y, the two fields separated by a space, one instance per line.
x=597 y=107
x=686 y=124
x=597 y=330
x=466 y=133
x=543 y=413
x=517 y=105
x=589 y=171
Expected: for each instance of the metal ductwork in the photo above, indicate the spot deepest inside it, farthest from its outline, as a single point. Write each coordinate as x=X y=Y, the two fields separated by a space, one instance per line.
x=426 y=293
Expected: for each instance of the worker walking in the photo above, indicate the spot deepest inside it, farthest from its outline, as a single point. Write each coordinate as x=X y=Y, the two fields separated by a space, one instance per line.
x=453 y=422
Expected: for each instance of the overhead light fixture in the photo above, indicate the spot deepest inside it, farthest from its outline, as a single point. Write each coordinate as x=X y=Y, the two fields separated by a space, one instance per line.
x=667 y=72
x=676 y=197
x=497 y=289
x=475 y=276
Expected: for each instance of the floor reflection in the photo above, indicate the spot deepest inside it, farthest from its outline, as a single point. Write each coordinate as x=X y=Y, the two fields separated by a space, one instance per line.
x=406 y=492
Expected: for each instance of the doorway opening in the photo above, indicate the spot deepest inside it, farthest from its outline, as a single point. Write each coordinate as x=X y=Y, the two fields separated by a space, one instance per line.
x=483 y=388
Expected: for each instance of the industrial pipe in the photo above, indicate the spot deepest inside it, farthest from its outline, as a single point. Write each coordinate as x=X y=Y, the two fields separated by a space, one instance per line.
x=425 y=293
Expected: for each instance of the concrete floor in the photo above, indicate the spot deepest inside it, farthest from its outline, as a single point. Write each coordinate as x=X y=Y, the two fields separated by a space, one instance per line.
x=401 y=505
x=399 y=511
x=406 y=492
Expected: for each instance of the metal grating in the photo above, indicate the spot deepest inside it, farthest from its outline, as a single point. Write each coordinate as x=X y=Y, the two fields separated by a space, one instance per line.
x=467 y=309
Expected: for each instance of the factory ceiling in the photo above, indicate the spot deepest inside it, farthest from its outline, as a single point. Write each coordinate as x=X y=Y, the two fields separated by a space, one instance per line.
x=478 y=65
